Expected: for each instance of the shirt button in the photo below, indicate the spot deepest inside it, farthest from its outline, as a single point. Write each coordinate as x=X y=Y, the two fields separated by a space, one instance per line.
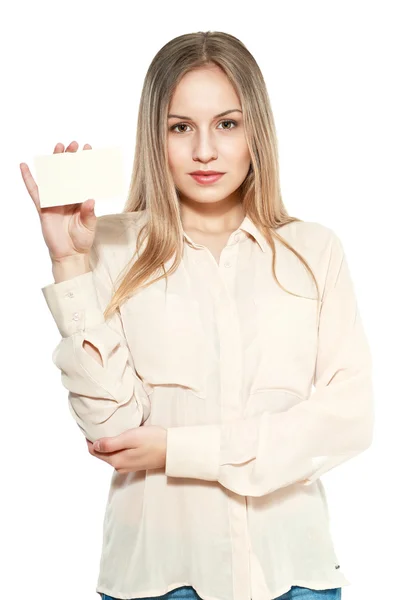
x=237 y=237
x=75 y=316
x=70 y=294
x=227 y=264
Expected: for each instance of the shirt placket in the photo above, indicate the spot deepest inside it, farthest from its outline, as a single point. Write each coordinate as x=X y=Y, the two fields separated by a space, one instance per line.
x=231 y=382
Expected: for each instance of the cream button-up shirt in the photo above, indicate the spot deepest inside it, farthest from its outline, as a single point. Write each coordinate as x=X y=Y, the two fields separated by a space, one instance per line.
x=261 y=393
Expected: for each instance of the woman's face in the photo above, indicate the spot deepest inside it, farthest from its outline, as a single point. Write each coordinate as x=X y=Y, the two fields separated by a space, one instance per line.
x=198 y=140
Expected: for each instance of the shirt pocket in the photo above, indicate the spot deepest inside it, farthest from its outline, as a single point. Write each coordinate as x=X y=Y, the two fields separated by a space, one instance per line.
x=166 y=338
x=287 y=339
x=287 y=315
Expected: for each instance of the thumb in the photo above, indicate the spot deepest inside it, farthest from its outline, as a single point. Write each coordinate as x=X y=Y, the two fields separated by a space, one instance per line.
x=87 y=214
x=126 y=439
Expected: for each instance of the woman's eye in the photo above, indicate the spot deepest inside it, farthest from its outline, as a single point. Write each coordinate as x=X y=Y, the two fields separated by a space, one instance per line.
x=233 y=122
x=173 y=128
x=178 y=125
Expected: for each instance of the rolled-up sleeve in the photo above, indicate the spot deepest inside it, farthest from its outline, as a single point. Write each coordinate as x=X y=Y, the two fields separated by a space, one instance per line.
x=106 y=399
x=258 y=455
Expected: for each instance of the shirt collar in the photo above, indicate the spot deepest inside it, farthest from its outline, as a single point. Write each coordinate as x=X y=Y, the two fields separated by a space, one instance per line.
x=249 y=226
x=246 y=225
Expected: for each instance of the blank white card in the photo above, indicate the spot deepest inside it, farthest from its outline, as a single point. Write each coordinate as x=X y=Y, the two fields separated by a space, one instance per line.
x=74 y=177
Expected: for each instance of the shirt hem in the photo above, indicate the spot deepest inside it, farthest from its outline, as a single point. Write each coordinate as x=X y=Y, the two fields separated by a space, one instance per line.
x=152 y=593
x=312 y=585
x=315 y=584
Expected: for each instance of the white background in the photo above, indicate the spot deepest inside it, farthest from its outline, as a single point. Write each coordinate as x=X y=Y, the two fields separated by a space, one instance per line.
x=74 y=71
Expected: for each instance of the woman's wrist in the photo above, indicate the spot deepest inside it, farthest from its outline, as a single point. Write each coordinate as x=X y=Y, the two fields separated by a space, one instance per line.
x=70 y=267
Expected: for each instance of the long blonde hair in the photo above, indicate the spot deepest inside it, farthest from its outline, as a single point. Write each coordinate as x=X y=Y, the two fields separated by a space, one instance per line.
x=152 y=188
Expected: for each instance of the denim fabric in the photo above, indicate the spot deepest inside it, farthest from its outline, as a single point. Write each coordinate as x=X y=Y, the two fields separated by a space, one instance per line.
x=295 y=593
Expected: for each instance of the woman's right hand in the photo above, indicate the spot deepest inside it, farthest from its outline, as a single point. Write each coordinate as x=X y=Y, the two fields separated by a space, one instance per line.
x=68 y=230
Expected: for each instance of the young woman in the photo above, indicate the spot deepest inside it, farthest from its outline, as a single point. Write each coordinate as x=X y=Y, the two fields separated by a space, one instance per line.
x=194 y=326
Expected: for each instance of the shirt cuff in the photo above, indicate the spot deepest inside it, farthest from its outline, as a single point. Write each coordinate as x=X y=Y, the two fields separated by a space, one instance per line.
x=193 y=452
x=74 y=304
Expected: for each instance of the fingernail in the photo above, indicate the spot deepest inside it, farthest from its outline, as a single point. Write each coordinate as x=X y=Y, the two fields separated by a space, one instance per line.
x=97 y=446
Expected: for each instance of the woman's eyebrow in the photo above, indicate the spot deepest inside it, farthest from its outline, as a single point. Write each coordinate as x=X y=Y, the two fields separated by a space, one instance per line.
x=226 y=112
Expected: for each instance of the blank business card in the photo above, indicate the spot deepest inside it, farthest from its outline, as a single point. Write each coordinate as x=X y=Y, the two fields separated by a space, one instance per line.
x=72 y=177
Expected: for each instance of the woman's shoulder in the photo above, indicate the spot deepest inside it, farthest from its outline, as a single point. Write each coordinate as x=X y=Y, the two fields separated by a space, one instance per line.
x=308 y=235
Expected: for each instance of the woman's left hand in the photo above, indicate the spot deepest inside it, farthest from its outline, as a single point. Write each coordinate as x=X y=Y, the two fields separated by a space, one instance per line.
x=136 y=449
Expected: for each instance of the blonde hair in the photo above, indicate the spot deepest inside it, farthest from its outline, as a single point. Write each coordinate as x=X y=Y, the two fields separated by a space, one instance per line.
x=152 y=187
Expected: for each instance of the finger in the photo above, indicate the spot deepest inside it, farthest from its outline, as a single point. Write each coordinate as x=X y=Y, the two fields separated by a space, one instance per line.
x=101 y=445
x=87 y=214
x=127 y=461
x=104 y=456
x=29 y=181
x=124 y=440
x=30 y=185
x=72 y=147
x=59 y=147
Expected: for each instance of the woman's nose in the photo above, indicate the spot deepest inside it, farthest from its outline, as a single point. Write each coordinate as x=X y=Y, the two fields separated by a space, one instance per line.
x=204 y=150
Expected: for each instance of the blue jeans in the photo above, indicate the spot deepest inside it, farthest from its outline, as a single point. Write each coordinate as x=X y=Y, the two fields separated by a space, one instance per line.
x=295 y=593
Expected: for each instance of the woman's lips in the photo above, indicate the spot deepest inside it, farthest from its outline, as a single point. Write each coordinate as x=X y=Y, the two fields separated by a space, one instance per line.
x=204 y=179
